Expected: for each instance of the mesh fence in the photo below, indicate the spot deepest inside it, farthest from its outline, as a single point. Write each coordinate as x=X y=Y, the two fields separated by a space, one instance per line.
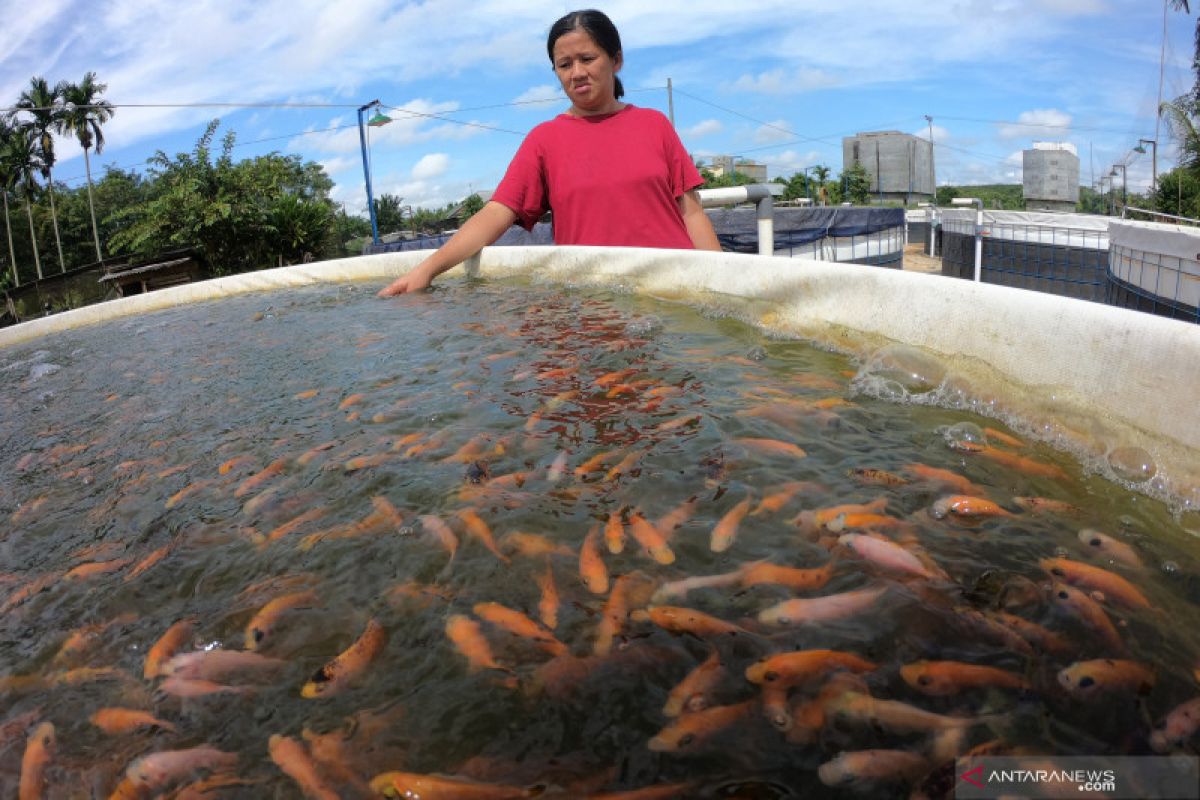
x=1153 y=282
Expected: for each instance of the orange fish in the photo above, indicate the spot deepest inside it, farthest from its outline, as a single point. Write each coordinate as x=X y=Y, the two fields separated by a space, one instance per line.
x=1002 y=437
x=520 y=625
x=1046 y=505
x=627 y=591
x=861 y=769
x=771 y=447
x=1109 y=547
x=155 y=556
x=307 y=394
x=894 y=716
x=943 y=477
x=808 y=716
x=801 y=611
x=876 y=477
x=126 y=720
x=597 y=462
x=692 y=730
x=1090 y=613
x=679 y=589
x=961 y=506
x=313 y=453
x=353 y=399
x=348 y=665
x=1177 y=728
x=366 y=462
x=294 y=524
x=82 y=639
x=291 y=756
x=548 y=602
x=1023 y=464
x=621 y=390
x=941 y=678
x=165 y=648
x=823 y=516
x=39 y=749
x=218 y=664
x=466 y=635
x=262 y=624
x=479 y=529
x=801 y=666
x=726 y=528
x=591 y=565
x=625 y=465
x=611 y=378
x=94 y=568
x=763 y=572
x=677 y=619
x=614 y=533
x=780 y=497
x=667 y=523
x=1042 y=639
x=684 y=421
x=234 y=463
x=1085 y=576
x=441 y=533
x=533 y=545
x=650 y=538
x=695 y=691
x=434 y=787
x=1084 y=680
x=252 y=483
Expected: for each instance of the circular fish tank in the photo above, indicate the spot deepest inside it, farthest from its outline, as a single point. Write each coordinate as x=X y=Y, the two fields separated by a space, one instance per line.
x=586 y=522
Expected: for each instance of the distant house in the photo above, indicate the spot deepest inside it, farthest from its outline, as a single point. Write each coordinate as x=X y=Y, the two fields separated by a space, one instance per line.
x=1050 y=176
x=897 y=164
x=165 y=269
x=728 y=165
x=456 y=216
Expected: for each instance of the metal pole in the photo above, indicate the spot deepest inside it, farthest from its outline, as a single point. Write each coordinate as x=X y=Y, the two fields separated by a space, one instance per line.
x=932 y=172
x=670 y=103
x=1162 y=60
x=362 y=140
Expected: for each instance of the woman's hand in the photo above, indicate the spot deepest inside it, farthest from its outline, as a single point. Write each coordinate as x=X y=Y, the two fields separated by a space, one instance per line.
x=415 y=280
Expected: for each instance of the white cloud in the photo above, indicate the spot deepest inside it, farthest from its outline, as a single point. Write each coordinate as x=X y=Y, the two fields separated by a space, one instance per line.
x=1041 y=123
x=537 y=96
x=705 y=128
x=781 y=81
x=431 y=165
x=779 y=130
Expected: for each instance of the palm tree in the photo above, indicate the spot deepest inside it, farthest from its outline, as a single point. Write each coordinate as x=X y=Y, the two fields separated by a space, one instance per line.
x=43 y=105
x=24 y=157
x=8 y=179
x=83 y=114
x=821 y=173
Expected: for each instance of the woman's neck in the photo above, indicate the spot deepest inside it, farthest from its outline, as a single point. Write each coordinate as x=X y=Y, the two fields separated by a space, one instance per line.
x=610 y=107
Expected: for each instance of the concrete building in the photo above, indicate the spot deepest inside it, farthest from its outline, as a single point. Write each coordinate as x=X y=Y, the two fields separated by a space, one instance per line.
x=727 y=165
x=899 y=164
x=1050 y=176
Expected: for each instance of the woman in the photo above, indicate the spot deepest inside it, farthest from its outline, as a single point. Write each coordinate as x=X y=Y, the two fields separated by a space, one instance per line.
x=613 y=173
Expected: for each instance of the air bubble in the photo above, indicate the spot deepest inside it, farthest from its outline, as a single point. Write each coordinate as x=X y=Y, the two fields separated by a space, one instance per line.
x=965 y=436
x=909 y=367
x=1132 y=464
x=1170 y=567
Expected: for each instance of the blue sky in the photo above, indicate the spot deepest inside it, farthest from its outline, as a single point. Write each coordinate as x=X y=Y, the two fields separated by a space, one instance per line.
x=778 y=81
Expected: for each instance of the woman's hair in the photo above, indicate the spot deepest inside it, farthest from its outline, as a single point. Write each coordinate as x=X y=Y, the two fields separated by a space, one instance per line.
x=596 y=25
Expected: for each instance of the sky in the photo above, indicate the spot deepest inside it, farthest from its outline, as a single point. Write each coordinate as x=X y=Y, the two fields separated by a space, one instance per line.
x=775 y=81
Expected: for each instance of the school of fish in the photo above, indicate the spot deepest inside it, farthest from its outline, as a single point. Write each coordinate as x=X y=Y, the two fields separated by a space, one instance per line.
x=559 y=559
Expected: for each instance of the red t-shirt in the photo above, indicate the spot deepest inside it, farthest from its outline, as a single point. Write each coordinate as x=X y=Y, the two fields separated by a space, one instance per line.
x=611 y=179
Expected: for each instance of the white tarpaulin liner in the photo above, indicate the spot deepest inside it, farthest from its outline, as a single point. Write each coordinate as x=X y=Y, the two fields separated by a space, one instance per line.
x=1061 y=230
x=1163 y=260
x=884 y=245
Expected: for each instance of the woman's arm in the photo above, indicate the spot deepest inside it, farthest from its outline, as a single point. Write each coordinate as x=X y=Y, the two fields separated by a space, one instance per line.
x=699 y=226
x=482 y=229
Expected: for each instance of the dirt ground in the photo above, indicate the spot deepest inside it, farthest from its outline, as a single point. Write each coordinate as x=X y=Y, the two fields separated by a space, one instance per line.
x=916 y=259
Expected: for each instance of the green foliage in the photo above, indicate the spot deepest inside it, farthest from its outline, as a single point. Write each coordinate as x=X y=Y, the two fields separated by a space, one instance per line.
x=712 y=181
x=1002 y=196
x=233 y=213
x=389 y=213
x=1178 y=193
x=471 y=206
x=855 y=185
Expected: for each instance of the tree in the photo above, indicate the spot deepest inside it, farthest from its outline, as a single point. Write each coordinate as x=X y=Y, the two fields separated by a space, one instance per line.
x=231 y=212
x=23 y=157
x=389 y=213
x=855 y=184
x=42 y=104
x=8 y=181
x=83 y=114
x=821 y=174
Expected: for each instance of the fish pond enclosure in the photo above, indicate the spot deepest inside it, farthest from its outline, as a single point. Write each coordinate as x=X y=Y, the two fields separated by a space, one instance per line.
x=587 y=521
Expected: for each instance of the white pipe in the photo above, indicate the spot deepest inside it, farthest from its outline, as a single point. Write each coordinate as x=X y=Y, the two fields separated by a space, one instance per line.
x=762 y=194
x=975 y=201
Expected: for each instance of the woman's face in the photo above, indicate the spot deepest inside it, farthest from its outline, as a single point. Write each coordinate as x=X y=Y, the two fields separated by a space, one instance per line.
x=586 y=72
